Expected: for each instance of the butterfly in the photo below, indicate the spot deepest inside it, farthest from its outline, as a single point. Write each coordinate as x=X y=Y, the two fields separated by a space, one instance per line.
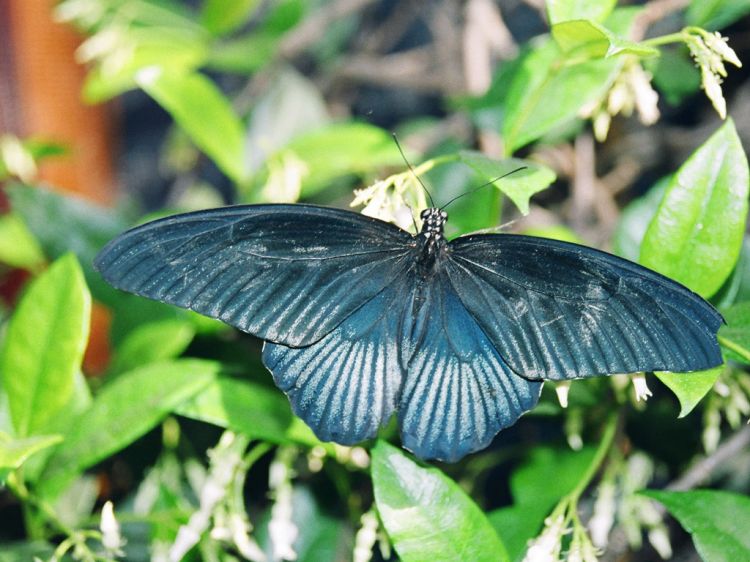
x=363 y=320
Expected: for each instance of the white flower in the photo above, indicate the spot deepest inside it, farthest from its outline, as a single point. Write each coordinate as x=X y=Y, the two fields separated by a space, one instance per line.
x=111 y=538
x=659 y=539
x=642 y=391
x=603 y=517
x=364 y=541
x=562 y=389
x=546 y=547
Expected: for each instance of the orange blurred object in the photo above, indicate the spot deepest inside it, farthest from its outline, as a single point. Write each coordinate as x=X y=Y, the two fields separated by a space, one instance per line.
x=98 y=351
x=41 y=97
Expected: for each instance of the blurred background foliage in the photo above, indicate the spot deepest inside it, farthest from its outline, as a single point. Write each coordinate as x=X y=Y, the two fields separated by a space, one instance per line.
x=630 y=120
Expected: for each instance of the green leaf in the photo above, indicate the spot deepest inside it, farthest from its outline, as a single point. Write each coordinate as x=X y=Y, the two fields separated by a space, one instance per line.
x=18 y=247
x=734 y=337
x=14 y=452
x=555 y=232
x=249 y=408
x=546 y=93
x=634 y=221
x=64 y=223
x=675 y=74
x=536 y=486
x=690 y=388
x=427 y=516
x=224 y=16
x=342 y=149
x=586 y=38
x=44 y=345
x=125 y=409
x=564 y=10
x=200 y=108
x=696 y=235
x=155 y=341
x=716 y=14
x=717 y=521
x=518 y=186
x=180 y=49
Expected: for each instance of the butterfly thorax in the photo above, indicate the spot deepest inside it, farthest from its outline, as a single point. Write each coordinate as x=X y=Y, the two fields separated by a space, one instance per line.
x=431 y=239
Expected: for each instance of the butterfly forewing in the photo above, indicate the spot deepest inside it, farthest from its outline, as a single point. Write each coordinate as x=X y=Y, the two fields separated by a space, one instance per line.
x=286 y=273
x=556 y=310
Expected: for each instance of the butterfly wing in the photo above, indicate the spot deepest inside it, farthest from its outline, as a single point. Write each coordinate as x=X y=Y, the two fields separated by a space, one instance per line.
x=458 y=392
x=556 y=310
x=346 y=385
x=284 y=273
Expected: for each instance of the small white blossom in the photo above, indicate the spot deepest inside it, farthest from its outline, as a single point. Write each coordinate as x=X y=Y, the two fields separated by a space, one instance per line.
x=719 y=45
x=603 y=517
x=546 y=547
x=659 y=539
x=112 y=540
x=562 y=389
x=642 y=391
x=364 y=541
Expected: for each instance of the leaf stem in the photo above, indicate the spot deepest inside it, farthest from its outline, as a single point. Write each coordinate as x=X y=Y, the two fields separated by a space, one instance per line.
x=601 y=452
x=738 y=349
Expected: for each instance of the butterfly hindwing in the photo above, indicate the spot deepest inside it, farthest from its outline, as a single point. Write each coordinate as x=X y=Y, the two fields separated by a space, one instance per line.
x=346 y=385
x=285 y=273
x=556 y=310
x=458 y=392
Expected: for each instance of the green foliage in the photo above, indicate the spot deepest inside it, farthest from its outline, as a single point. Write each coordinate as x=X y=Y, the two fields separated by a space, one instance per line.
x=559 y=471
x=126 y=409
x=717 y=521
x=44 y=345
x=415 y=503
x=248 y=85
x=696 y=235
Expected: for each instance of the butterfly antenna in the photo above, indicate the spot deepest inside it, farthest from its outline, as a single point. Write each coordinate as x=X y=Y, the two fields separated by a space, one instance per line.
x=483 y=186
x=427 y=191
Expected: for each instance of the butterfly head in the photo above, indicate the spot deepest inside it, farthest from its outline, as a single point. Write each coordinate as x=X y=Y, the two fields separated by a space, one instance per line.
x=433 y=221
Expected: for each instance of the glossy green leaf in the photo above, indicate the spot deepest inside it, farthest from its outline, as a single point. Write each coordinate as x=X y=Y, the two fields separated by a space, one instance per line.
x=205 y=114
x=696 y=235
x=44 y=345
x=155 y=341
x=125 y=409
x=717 y=520
x=690 y=388
x=427 y=516
x=564 y=10
x=18 y=247
x=559 y=471
x=520 y=185
x=14 y=452
x=257 y=411
x=546 y=93
x=716 y=14
x=181 y=49
x=225 y=16
x=734 y=337
x=586 y=38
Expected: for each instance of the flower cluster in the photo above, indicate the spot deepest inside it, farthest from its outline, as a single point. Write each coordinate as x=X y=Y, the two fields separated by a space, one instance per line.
x=710 y=51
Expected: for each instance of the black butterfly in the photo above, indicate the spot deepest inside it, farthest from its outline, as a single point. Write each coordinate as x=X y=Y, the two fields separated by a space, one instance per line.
x=363 y=319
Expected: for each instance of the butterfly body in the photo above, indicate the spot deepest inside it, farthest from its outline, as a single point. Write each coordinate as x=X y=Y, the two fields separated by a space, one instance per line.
x=363 y=320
